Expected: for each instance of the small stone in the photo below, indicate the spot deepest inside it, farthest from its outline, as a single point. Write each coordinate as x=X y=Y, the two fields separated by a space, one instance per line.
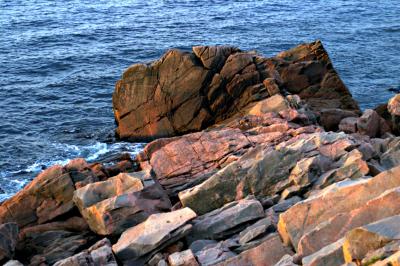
x=183 y=258
x=348 y=125
x=271 y=86
x=276 y=103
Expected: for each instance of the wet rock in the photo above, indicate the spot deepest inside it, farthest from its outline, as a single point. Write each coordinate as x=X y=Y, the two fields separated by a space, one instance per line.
x=336 y=227
x=111 y=206
x=221 y=223
x=296 y=221
x=98 y=254
x=139 y=243
x=359 y=241
x=329 y=255
x=184 y=258
x=267 y=253
x=8 y=240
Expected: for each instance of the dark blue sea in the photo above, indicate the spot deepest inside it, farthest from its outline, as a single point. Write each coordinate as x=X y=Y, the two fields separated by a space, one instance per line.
x=59 y=61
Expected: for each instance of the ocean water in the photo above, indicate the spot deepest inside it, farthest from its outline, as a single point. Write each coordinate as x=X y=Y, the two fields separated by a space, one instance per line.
x=59 y=61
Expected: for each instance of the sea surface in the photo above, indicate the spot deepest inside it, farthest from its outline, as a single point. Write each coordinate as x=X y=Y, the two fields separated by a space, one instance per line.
x=59 y=61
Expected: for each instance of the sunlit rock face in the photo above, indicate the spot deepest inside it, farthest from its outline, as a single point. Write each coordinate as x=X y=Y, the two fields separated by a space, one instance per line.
x=189 y=91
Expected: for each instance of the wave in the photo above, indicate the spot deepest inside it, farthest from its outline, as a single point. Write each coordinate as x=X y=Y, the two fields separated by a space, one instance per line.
x=13 y=181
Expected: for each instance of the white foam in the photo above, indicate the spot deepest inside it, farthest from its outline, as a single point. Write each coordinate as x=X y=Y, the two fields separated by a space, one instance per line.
x=16 y=180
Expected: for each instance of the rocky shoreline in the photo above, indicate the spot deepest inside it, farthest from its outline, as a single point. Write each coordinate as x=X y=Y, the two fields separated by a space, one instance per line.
x=253 y=161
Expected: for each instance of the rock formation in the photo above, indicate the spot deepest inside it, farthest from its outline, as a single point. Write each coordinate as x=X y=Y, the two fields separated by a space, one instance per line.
x=256 y=161
x=189 y=91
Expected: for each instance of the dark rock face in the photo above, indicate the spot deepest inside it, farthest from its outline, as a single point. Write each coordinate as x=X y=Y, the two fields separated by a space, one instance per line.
x=98 y=254
x=189 y=91
x=8 y=240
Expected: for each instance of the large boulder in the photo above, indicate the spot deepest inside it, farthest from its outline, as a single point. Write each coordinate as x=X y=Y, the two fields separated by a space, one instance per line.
x=137 y=244
x=120 y=202
x=306 y=215
x=189 y=91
